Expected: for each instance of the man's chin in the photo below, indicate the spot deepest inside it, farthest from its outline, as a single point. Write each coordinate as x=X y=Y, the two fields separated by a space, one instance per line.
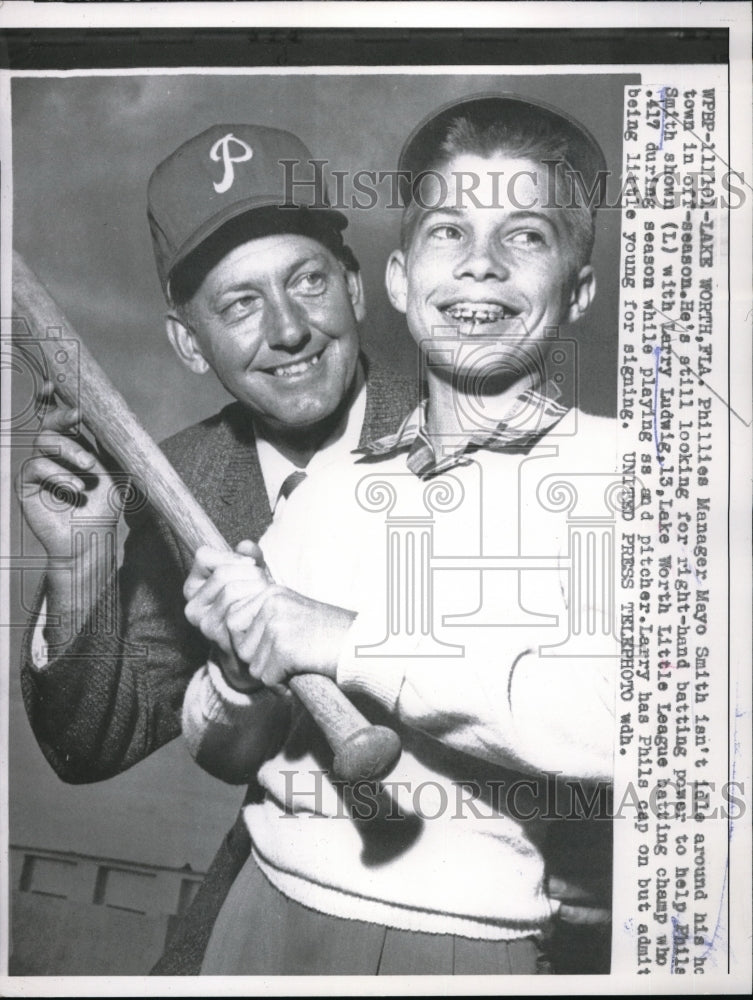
x=300 y=420
x=307 y=411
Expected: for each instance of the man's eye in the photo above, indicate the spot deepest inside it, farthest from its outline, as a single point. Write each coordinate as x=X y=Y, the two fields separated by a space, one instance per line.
x=311 y=283
x=529 y=238
x=240 y=307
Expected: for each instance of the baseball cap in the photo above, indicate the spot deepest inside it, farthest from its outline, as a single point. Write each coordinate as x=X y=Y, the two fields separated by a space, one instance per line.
x=221 y=174
x=583 y=154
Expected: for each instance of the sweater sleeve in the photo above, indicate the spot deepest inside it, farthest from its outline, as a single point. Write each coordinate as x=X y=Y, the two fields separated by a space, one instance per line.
x=495 y=694
x=230 y=733
x=112 y=694
x=511 y=706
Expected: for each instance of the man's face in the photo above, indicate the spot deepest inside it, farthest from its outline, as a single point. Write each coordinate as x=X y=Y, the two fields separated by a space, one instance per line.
x=277 y=321
x=491 y=263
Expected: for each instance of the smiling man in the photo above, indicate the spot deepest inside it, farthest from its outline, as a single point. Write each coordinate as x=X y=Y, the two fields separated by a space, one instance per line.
x=276 y=321
x=269 y=298
x=482 y=671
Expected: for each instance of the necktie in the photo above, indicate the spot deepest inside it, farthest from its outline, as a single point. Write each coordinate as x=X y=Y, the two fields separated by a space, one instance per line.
x=293 y=480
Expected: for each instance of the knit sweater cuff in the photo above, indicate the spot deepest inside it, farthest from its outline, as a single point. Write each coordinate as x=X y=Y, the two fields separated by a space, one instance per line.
x=360 y=671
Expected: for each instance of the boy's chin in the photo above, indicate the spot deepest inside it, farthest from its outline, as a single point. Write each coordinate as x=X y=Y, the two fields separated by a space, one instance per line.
x=490 y=381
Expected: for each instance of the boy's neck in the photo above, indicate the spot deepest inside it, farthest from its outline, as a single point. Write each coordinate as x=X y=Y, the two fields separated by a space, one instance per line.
x=449 y=425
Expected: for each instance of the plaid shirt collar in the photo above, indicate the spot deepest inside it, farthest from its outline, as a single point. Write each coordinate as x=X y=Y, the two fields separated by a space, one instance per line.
x=533 y=413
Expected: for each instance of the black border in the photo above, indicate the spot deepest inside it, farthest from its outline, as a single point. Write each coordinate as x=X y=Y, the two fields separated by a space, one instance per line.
x=70 y=49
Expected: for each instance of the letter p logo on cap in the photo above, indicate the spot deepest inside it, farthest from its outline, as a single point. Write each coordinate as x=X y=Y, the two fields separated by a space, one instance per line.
x=221 y=151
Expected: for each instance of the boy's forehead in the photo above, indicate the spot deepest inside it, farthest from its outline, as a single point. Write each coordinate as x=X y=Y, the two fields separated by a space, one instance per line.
x=499 y=182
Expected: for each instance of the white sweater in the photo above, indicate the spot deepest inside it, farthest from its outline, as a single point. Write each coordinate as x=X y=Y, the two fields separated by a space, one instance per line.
x=480 y=726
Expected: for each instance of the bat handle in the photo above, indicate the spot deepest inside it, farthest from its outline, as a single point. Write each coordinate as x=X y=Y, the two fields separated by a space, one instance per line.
x=363 y=752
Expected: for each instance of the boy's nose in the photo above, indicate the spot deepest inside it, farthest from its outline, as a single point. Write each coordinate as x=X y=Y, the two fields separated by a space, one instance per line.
x=482 y=261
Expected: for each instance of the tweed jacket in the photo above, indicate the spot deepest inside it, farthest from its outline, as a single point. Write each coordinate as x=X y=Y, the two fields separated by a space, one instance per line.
x=113 y=695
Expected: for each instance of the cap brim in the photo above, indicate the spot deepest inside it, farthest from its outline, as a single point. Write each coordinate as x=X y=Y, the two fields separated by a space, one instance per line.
x=331 y=216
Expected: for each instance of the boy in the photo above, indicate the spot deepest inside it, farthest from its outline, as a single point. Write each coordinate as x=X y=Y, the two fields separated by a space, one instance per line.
x=416 y=877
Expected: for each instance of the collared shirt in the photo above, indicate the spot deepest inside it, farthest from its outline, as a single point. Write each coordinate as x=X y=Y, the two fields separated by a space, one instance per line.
x=276 y=467
x=532 y=415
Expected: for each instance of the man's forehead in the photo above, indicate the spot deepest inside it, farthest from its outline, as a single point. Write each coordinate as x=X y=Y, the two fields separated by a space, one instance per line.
x=274 y=251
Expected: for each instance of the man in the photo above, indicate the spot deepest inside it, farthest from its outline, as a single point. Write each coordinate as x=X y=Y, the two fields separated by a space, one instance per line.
x=383 y=882
x=270 y=300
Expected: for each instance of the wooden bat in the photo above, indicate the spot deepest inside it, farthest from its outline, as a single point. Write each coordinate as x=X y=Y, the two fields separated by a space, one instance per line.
x=362 y=751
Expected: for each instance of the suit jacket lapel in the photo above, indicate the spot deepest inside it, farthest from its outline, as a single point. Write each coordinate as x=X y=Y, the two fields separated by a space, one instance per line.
x=231 y=487
x=389 y=398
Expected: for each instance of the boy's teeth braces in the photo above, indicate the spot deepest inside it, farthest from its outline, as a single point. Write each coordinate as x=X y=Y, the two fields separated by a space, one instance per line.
x=484 y=314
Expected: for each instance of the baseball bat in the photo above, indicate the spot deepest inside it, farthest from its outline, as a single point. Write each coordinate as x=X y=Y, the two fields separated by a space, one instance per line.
x=362 y=751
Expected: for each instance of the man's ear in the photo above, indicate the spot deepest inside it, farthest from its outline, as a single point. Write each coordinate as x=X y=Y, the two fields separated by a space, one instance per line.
x=396 y=280
x=582 y=294
x=355 y=290
x=185 y=345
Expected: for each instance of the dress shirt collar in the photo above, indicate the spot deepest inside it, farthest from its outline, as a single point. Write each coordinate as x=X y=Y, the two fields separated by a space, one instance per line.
x=533 y=413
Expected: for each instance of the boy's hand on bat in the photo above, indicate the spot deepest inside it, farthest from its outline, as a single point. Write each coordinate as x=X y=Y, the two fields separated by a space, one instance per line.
x=218 y=580
x=274 y=630
x=280 y=633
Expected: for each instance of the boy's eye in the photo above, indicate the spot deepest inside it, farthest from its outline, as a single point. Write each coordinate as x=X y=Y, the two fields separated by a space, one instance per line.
x=528 y=238
x=311 y=283
x=445 y=232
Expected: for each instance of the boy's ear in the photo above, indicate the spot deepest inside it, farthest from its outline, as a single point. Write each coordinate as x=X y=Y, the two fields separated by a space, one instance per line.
x=582 y=294
x=184 y=343
x=355 y=290
x=396 y=281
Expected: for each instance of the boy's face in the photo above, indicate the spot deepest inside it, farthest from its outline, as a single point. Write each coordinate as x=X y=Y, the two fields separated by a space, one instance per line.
x=490 y=262
x=277 y=321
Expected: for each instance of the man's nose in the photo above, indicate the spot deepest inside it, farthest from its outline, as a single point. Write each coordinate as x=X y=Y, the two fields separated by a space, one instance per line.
x=287 y=324
x=481 y=260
